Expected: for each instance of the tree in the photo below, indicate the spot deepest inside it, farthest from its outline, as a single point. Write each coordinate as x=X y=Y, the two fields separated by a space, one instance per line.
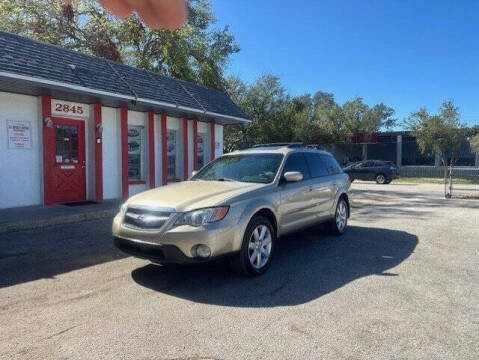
x=360 y=119
x=195 y=52
x=279 y=117
x=441 y=133
x=474 y=143
x=276 y=116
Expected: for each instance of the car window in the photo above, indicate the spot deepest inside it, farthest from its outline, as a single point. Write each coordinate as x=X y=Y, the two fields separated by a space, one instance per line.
x=317 y=166
x=331 y=164
x=379 y=163
x=297 y=162
x=254 y=168
x=368 y=164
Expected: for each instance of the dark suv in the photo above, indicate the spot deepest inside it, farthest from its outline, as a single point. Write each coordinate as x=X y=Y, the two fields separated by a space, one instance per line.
x=383 y=172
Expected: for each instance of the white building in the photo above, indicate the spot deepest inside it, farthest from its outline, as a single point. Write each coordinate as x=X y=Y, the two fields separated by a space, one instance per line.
x=75 y=127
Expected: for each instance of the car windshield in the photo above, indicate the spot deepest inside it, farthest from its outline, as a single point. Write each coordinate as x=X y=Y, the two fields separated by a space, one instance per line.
x=254 y=168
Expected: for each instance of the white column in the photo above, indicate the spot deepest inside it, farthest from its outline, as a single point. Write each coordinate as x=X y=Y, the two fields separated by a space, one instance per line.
x=399 y=151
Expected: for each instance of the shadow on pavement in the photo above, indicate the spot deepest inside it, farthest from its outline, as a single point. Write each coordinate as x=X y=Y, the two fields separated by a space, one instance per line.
x=44 y=253
x=307 y=265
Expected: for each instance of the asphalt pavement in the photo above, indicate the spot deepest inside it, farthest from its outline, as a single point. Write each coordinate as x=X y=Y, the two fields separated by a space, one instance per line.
x=402 y=283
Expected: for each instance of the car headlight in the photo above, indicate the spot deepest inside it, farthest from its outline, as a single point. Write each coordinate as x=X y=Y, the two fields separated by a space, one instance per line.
x=201 y=217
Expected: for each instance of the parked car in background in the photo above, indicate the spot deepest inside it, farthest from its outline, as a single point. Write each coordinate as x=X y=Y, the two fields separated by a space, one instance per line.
x=237 y=205
x=383 y=172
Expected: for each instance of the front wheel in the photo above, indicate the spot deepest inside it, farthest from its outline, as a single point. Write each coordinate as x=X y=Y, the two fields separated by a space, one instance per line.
x=257 y=249
x=381 y=179
x=337 y=226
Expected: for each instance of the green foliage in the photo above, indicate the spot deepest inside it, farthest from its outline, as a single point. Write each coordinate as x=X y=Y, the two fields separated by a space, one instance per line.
x=474 y=142
x=278 y=117
x=195 y=52
x=441 y=133
x=273 y=112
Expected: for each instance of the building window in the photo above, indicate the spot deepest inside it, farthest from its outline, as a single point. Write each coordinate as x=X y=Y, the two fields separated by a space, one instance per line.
x=66 y=140
x=200 y=154
x=171 y=144
x=136 y=153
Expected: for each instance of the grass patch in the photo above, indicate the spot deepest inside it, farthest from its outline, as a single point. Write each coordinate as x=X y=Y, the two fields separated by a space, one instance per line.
x=423 y=180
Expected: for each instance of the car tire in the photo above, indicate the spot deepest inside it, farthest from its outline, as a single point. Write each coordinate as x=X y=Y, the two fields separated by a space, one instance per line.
x=247 y=262
x=338 y=225
x=381 y=179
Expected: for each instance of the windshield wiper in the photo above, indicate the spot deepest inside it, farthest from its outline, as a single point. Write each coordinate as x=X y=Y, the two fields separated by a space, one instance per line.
x=224 y=179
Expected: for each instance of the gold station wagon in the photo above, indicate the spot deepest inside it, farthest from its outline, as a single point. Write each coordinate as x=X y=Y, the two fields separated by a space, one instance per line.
x=237 y=205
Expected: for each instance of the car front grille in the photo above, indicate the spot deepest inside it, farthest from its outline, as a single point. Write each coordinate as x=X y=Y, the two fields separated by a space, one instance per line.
x=147 y=219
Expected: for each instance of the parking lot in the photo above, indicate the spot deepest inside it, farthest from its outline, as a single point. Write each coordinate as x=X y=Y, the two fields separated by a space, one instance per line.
x=402 y=283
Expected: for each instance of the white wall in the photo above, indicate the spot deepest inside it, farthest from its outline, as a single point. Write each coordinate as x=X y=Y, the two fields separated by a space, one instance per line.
x=21 y=175
x=111 y=120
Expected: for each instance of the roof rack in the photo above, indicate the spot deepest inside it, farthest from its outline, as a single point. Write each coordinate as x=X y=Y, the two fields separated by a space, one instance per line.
x=290 y=145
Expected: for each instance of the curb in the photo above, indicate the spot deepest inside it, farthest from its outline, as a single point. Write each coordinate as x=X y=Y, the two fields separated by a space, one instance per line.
x=59 y=220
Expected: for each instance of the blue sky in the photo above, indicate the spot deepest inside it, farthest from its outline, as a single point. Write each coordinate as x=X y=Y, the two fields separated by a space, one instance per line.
x=405 y=53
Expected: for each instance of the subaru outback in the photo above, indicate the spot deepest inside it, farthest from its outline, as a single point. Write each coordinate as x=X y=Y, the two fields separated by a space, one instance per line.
x=237 y=205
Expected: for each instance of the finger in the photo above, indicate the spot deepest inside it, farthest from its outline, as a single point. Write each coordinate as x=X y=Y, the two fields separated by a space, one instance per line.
x=170 y=14
x=120 y=8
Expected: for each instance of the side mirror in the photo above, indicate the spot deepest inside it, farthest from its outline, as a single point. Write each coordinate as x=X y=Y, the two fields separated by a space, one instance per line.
x=193 y=173
x=293 y=176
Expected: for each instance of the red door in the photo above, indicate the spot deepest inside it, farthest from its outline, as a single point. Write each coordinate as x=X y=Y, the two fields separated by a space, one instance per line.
x=68 y=170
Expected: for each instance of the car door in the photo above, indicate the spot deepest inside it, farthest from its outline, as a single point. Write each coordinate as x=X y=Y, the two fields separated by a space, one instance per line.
x=367 y=170
x=296 y=209
x=333 y=181
x=323 y=186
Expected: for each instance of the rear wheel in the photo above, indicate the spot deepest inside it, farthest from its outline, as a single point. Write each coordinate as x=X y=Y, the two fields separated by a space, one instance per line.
x=257 y=249
x=381 y=179
x=338 y=225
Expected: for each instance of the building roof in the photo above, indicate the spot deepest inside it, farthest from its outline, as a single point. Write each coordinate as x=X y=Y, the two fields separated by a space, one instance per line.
x=23 y=59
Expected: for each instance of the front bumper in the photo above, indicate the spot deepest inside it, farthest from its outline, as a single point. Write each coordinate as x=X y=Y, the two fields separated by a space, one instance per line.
x=156 y=253
x=178 y=244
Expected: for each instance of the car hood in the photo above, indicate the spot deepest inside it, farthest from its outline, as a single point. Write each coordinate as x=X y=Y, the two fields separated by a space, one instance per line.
x=190 y=195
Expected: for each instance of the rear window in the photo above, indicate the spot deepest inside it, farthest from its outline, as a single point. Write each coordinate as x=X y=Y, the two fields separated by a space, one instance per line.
x=297 y=162
x=331 y=164
x=317 y=166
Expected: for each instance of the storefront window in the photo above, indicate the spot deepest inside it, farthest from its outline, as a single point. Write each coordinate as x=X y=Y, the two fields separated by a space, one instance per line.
x=200 y=155
x=135 y=153
x=171 y=144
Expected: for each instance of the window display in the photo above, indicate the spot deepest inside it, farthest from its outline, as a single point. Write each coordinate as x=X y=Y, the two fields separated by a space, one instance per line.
x=135 y=153
x=171 y=145
x=201 y=150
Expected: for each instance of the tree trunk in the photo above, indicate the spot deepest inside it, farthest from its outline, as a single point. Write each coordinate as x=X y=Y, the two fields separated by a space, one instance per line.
x=451 y=167
x=445 y=175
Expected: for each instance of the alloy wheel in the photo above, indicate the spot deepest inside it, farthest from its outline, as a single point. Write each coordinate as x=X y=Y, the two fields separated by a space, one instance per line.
x=259 y=247
x=341 y=215
x=380 y=179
